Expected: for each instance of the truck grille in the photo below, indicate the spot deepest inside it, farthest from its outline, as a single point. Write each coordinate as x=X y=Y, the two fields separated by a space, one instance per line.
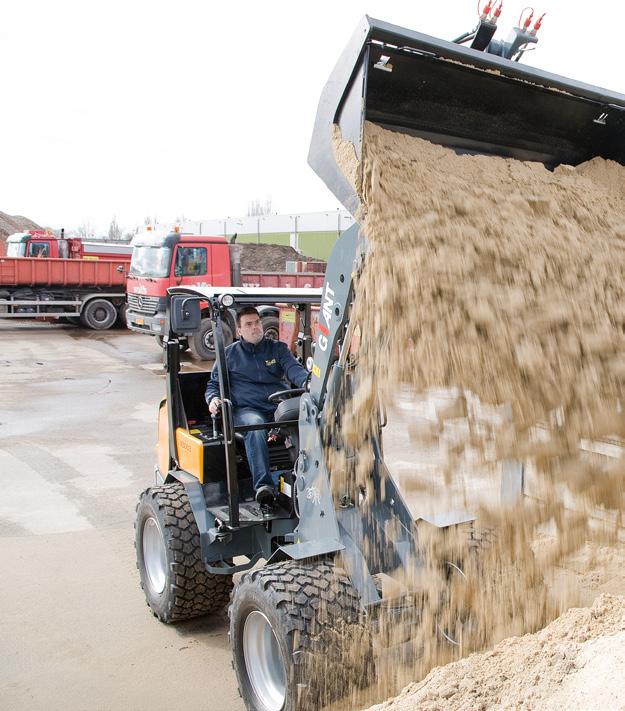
x=143 y=304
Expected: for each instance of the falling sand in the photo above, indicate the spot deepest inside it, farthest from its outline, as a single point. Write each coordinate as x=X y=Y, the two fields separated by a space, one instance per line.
x=502 y=283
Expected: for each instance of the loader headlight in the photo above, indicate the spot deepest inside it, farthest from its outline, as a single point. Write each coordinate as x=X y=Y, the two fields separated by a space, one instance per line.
x=227 y=300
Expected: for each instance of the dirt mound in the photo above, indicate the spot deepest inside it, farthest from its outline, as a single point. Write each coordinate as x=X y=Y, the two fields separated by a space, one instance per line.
x=15 y=223
x=269 y=257
x=578 y=661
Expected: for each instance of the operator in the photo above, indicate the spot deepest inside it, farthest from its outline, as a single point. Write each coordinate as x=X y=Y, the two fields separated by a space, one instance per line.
x=257 y=368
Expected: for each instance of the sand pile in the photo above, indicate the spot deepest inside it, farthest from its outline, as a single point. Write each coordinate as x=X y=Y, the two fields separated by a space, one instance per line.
x=497 y=276
x=503 y=282
x=578 y=661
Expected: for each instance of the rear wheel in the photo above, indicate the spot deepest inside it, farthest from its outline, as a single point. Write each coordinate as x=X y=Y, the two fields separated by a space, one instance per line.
x=175 y=581
x=202 y=344
x=98 y=314
x=298 y=636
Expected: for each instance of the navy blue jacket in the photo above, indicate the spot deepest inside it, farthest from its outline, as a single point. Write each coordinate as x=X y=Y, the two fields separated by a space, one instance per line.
x=257 y=371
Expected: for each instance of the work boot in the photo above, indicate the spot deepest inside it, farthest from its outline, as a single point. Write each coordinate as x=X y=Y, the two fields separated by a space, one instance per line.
x=265 y=496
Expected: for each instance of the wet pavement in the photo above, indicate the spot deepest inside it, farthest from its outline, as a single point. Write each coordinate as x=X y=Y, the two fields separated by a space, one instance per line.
x=77 y=435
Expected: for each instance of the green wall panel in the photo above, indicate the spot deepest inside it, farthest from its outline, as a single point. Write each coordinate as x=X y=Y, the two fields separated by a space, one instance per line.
x=317 y=244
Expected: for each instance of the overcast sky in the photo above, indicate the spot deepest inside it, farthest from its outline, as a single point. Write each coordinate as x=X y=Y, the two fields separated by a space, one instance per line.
x=195 y=108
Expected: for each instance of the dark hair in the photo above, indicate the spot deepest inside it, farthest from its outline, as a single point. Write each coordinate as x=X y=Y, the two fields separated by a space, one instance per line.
x=246 y=311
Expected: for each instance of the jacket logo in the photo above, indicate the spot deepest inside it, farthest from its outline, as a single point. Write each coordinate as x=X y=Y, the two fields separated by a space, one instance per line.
x=270 y=362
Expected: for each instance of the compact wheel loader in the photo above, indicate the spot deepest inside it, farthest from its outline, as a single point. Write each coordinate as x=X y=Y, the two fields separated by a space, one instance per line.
x=302 y=623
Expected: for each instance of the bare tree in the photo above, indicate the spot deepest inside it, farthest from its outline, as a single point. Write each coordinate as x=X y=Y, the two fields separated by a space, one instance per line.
x=147 y=221
x=115 y=232
x=86 y=230
x=256 y=208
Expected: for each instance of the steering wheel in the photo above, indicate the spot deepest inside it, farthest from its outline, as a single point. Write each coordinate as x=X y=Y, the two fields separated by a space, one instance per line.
x=285 y=395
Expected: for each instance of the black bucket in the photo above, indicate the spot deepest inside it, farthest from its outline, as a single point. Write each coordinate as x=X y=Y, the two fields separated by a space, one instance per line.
x=456 y=96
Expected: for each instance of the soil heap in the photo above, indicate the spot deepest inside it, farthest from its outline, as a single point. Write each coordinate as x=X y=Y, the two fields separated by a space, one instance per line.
x=9 y=224
x=269 y=257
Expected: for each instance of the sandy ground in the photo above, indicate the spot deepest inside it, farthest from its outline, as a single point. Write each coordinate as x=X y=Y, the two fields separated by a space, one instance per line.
x=77 y=435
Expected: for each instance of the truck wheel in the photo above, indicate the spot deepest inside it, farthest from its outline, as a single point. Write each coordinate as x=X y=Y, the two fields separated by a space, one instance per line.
x=98 y=314
x=271 y=327
x=298 y=636
x=122 y=321
x=175 y=581
x=201 y=344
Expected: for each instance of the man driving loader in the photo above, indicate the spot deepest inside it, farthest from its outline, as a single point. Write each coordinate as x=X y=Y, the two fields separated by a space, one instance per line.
x=257 y=368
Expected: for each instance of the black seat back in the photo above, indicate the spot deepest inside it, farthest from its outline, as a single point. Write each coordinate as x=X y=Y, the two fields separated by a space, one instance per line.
x=192 y=387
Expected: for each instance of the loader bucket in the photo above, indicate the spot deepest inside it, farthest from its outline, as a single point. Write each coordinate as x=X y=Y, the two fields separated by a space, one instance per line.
x=459 y=97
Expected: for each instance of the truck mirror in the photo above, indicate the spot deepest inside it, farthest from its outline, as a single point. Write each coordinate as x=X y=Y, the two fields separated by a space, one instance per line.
x=185 y=315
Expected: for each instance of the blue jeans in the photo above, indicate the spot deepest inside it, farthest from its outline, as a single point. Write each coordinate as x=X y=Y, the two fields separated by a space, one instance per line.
x=255 y=444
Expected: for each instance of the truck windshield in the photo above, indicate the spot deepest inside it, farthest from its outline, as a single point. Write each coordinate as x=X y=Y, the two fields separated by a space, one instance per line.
x=16 y=249
x=150 y=261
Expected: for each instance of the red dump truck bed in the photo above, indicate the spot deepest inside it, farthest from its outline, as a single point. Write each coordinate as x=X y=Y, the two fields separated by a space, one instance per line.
x=295 y=280
x=22 y=271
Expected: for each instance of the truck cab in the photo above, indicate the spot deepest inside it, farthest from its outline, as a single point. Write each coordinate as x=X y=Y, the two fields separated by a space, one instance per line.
x=46 y=245
x=160 y=261
x=39 y=244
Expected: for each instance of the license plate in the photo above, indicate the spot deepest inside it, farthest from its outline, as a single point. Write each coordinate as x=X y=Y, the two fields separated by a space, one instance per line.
x=140 y=321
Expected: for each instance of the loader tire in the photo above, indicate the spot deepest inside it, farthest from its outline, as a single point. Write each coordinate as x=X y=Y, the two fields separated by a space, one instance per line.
x=201 y=344
x=98 y=314
x=298 y=636
x=175 y=581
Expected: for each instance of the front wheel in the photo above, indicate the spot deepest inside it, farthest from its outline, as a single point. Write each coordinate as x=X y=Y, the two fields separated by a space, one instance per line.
x=122 y=320
x=271 y=327
x=202 y=343
x=298 y=636
x=175 y=581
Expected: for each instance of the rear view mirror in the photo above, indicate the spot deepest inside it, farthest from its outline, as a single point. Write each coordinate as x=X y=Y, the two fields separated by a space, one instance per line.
x=185 y=315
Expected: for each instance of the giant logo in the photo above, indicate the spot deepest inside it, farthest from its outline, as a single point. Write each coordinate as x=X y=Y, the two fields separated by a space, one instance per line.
x=326 y=316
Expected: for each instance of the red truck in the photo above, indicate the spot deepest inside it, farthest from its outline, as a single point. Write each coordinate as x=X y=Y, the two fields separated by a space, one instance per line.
x=177 y=259
x=44 y=276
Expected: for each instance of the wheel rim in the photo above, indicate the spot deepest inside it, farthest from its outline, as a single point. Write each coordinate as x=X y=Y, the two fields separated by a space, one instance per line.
x=100 y=314
x=461 y=624
x=263 y=661
x=208 y=340
x=154 y=556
